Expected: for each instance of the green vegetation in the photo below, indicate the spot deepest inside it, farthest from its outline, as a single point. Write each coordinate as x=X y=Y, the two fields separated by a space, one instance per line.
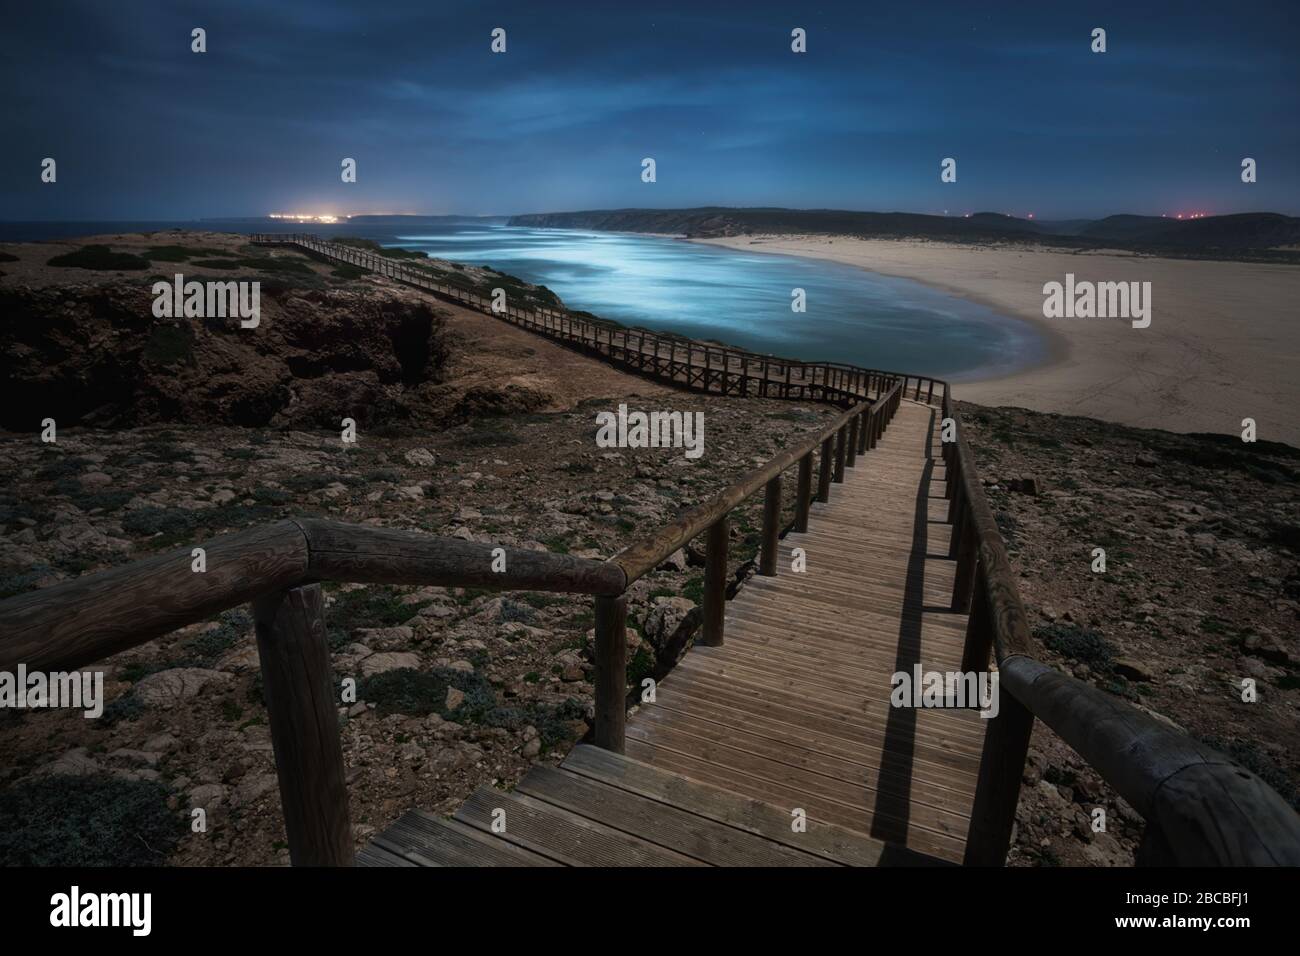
x=210 y=646
x=419 y=693
x=515 y=612
x=540 y=599
x=487 y=432
x=641 y=666
x=1249 y=755
x=277 y=265
x=1077 y=643
x=1224 y=453
x=181 y=253
x=87 y=821
x=376 y=606
x=6 y=257
x=556 y=544
x=128 y=707
x=168 y=527
x=240 y=454
x=170 y=345
x=99 y=257
x=22 y=581
x=91 y=500
x=220 y=263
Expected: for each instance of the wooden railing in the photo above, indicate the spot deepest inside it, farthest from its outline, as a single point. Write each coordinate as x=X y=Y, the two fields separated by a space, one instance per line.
x=1199 y=806
x=698 y=365
x=851 y=434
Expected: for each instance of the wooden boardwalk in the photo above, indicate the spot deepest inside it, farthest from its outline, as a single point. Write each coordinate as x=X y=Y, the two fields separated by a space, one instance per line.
x=791 y=713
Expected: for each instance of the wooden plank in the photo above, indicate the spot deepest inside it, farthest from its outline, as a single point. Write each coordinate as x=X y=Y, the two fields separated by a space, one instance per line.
x=561 y=835
x=946 y=846
x=960 y=725
x=371 y=855
x=664 y=825
x=426 y=840
x=942 y=788
x=944 y=766
x=802 y=712
x=725 y=806
x=885 y=797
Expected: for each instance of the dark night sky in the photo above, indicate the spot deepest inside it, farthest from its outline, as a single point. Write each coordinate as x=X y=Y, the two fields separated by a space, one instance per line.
x=143 y=128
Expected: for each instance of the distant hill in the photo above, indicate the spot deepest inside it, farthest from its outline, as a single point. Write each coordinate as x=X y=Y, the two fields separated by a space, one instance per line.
x=1250 y=235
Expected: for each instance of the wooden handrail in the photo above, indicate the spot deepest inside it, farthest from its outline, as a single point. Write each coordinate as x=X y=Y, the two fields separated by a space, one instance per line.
x=1200 y=807
x=77 y=622
x=650 y=551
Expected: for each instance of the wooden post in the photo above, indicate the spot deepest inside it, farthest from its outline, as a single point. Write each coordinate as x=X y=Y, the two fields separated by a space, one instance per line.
x=771 y=526
x=839 y=455
x=611 y=673
x=715 y=581
x=301 y=707
x=862 y=433
x=805 y=493
x=979 y=626
x=851 y=444
x=997 y=789
x=964 y=577
x=824 y=476
x=952 y=474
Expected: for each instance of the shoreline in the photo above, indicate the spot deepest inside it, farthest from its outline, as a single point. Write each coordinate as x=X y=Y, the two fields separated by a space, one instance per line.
x=1198 y=368
x=1056 y=345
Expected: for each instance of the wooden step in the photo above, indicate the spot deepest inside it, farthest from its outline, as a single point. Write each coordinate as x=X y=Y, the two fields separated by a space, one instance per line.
x=563 y=836
x=421 y=839
x=826 y=840
x=660 y=823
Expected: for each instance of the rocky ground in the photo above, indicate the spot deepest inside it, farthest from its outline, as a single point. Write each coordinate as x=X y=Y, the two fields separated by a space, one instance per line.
x=1201 y=592
x=80 y=340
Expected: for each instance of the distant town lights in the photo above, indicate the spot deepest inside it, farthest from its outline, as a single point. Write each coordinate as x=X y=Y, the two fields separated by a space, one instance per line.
x=303 y=217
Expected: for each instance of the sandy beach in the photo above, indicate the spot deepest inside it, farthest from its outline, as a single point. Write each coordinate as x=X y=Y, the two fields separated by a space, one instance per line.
x=1222 y=344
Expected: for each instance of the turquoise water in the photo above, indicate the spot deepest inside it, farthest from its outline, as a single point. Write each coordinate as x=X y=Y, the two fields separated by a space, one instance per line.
x=744 y=298
x=738 y=297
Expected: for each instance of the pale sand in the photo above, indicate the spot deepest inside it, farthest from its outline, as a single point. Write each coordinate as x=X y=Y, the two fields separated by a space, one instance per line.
x=1223 y=344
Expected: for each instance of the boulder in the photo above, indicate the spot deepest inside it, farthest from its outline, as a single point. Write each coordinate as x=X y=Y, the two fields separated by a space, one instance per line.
x=386 y=661
x=168 y=688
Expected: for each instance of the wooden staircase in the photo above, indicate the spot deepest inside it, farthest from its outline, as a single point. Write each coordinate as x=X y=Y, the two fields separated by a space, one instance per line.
x=790 y=715
x=605 y=809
